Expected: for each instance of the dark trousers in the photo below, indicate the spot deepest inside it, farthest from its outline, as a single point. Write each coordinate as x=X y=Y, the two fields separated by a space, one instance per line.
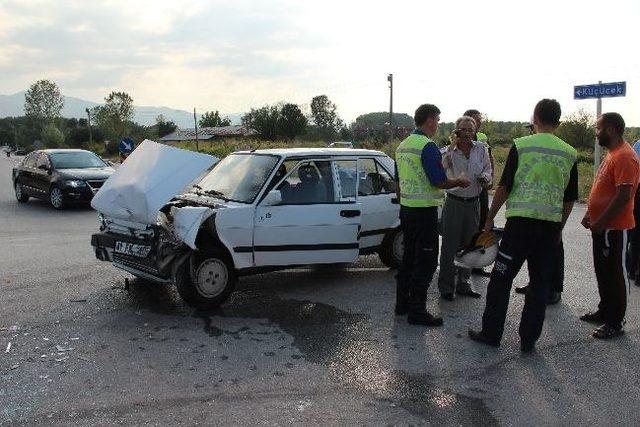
x=609 y=249
x=538 y=246
x=557 y=280
x=633 y=256
x=420 y=257
x=484 y=207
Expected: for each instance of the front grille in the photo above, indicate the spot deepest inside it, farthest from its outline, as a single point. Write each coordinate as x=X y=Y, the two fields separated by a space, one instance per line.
x=95 y=184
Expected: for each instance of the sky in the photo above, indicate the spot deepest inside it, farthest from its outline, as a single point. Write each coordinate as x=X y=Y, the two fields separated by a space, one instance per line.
x=500 y=57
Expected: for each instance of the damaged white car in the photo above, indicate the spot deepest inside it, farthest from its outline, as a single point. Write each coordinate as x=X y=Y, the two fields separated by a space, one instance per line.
x=254 y=211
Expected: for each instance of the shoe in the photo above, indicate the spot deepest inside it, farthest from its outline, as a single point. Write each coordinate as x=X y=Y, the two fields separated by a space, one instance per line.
x=468 y=293
x=606 y=332
x=401 y=309
x=479 y=336
x=522 y=290
x=449 y=297
x=554 y=298
x=424 y=318
x=592 y=317
x=527 y=347
x=481 y=272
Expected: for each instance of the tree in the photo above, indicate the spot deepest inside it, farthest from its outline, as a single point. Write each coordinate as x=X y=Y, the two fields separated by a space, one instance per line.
x=264 y=121
x=578 y=129
x=164 y=127
x=211 y=119
x=52 y=136
x=324 y=114
x=43 y=102
x=114 y=117
x=291 y=121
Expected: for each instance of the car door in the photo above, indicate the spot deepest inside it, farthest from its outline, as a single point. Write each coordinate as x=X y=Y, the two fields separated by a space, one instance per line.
x=376 y=193
x=42 y=174
x=312 y=225
x=25 y=175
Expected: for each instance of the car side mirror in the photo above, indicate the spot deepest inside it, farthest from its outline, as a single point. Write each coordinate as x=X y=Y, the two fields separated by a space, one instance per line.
x=274 y=197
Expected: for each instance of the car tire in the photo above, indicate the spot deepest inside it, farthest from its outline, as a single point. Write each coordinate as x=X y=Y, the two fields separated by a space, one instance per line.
x=21 y=196
x=390 y=251
x=207 y=280
x=56 y=199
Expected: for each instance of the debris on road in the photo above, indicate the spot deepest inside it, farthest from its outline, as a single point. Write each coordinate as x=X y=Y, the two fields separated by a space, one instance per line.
x=14 y=367
x=8 y=348
x=84 y=358
x=77 y=300
x=62 y=359
x=63 y=349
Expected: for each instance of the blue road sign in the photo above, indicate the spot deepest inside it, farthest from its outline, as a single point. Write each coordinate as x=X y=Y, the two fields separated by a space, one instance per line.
x=126 y=146
x=601 y=90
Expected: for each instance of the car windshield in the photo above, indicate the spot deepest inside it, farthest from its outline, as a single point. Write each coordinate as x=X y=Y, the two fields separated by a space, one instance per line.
x=238 y=177
x=76 y=160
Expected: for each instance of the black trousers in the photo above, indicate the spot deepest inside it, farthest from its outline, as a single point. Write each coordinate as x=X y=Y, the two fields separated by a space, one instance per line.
x=609 y=250
x=633 y=255
x=420 y=257
x=538 y=245
x=557 y=280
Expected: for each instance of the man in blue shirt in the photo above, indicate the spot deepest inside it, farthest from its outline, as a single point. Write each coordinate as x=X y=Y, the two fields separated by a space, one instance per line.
x=419 y=215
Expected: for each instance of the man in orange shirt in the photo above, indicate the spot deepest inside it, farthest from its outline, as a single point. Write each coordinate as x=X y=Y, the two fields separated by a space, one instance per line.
x=610 y=216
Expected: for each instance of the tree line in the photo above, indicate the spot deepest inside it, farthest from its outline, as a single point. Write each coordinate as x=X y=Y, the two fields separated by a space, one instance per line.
x=43 y=126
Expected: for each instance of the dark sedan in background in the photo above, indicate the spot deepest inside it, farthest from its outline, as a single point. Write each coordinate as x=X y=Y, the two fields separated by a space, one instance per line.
x=60 y=176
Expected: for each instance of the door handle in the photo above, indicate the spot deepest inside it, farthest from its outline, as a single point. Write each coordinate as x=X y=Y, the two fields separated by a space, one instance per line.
x=350 y=213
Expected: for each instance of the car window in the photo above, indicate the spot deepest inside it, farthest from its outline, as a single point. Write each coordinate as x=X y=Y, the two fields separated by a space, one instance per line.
x=347 y=176
x=309 y=182
x=373 y=179
x=42 y=160
x=30 y=160
x=76 y=160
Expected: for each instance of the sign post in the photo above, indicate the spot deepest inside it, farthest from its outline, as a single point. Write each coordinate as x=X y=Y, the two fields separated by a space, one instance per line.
x=599 y=91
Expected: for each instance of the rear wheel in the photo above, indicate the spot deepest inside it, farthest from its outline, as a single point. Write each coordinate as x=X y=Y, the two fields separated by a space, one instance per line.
x=55 y=197
x=207 y=280
x=21 y=196
x=390 y=251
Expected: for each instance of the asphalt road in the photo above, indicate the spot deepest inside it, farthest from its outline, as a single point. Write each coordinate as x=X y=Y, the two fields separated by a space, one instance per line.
x=307 y=346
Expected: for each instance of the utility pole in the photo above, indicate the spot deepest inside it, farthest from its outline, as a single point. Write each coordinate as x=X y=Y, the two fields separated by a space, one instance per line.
x=89 y=125
x=597 y=152
x=390 y=80
x=195 y=122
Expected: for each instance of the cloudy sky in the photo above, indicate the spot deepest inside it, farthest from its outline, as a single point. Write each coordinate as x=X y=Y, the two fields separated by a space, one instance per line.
x=497 y=56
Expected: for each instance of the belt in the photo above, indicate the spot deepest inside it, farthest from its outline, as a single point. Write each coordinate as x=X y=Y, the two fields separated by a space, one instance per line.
x=462 y=199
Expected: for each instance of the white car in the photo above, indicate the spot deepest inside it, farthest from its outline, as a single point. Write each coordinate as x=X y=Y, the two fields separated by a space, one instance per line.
x=254 y=211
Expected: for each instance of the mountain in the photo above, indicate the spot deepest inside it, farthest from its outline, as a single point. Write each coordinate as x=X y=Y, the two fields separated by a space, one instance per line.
x=13 y=106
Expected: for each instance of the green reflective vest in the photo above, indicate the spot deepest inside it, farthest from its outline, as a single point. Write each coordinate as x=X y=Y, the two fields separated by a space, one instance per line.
x=415 y=189
x=544 y=166
x=481 y=137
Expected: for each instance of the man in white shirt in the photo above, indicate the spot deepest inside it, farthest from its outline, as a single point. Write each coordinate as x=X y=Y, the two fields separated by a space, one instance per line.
x=461 y=211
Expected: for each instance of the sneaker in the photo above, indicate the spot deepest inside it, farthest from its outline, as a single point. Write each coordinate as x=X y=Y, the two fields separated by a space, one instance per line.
x=479 y=336
x=593 y=317
x=522 y=290
x=424 y=319
x=606 y=332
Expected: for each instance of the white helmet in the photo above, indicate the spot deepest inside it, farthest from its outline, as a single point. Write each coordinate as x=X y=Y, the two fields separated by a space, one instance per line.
x=481 y=252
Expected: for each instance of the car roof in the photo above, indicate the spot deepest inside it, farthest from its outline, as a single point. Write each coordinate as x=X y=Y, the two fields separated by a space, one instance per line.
x=64 y=150
x=325 y=151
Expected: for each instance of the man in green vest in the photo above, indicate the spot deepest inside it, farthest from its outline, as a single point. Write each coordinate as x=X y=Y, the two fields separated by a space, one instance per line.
x=539 y=184
x=484 y=195
x=420 y=177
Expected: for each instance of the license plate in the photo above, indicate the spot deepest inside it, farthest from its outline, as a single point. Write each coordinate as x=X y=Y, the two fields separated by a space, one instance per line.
x=127 y=248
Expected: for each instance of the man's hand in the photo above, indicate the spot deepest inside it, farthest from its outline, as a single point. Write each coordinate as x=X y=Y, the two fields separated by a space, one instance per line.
x=586 y=221
x=488 y=225
x=463 y=182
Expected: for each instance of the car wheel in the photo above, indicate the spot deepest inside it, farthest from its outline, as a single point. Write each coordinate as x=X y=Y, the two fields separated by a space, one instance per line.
x=392 y=248
x=21 y=196
x=55 y=197
x=206 y=281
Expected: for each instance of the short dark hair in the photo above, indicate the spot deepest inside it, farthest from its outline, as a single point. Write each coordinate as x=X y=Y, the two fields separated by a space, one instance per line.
x=472 y=112
x=424 y=112
x=548 y=112
x=614 y=121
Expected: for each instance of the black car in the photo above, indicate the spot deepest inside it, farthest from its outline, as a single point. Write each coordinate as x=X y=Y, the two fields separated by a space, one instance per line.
x=61 y=176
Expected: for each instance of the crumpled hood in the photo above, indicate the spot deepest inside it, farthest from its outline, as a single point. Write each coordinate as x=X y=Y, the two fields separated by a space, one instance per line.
x=87 y=173
x=151 y=176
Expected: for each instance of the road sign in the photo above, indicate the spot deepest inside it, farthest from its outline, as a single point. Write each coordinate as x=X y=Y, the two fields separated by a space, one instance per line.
x=126 y=145
x=600 y=90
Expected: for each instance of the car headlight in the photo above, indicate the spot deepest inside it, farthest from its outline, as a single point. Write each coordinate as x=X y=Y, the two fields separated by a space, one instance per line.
x=75 y=183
